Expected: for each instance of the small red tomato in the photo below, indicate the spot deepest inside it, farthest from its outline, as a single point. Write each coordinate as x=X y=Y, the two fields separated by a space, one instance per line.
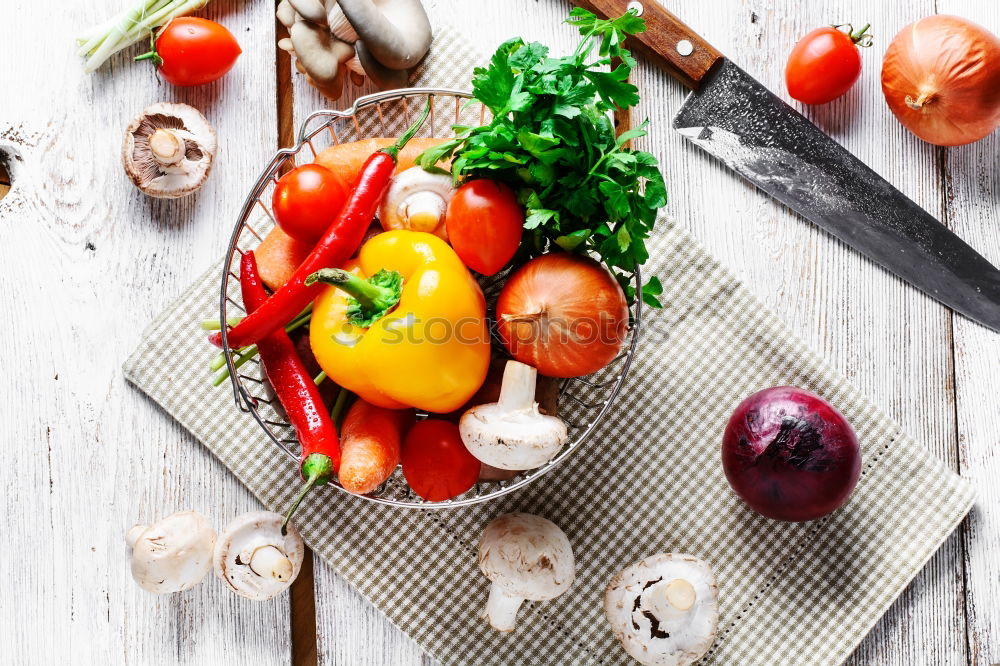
x=484 y=223
x=191 y=51
x=825 y=64
x=436 y=463
x=306 y=201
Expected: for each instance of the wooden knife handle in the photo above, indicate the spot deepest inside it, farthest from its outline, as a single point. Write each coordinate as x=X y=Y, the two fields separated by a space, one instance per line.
x=667 y=41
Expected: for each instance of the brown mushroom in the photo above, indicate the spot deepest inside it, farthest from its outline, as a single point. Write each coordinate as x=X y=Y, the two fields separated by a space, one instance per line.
x=168 y=150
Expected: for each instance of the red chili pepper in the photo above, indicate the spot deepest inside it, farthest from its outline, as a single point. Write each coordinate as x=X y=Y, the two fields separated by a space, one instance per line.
x=296 y=390
x=336 y=246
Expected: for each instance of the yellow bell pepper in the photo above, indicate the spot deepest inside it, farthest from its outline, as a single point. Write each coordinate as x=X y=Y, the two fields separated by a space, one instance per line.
x=422 y=344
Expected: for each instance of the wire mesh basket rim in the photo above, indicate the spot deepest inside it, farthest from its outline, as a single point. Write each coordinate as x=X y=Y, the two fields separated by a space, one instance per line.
x=246 y=402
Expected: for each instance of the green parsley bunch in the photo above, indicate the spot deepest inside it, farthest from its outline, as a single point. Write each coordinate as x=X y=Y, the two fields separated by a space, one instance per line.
x=552 y=140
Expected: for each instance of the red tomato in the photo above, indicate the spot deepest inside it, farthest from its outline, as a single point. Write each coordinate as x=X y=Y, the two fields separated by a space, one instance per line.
x=193 y=51
x=824 y=65
x=484 y=223
x=436 y=463
x=306 y=201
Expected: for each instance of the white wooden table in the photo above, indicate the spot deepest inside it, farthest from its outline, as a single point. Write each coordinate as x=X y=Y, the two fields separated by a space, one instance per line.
x=88 y=261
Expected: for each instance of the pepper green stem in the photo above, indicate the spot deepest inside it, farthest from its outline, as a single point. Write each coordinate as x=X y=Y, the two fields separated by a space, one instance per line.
x=393 y=150
x=317 y=469
x=373 y=297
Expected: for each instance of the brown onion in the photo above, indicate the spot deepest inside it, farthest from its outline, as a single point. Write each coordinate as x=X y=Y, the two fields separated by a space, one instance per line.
x=941 y=79
x=564 y=314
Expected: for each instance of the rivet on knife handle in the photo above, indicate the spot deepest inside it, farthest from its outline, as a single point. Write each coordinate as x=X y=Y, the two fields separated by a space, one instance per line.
x=667 y=41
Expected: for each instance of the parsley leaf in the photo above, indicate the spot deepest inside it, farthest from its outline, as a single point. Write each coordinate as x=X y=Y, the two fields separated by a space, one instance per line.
x=552 y=140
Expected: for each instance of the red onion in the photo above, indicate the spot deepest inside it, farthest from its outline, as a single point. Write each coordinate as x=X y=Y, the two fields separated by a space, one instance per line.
x=790 y=455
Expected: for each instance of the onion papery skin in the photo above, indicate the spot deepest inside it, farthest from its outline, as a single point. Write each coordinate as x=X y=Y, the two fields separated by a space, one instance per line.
x=790 y=455
x=564 y=314
x=941 y=79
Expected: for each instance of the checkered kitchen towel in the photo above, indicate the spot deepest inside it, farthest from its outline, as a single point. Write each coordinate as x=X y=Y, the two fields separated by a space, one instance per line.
x=649 y=480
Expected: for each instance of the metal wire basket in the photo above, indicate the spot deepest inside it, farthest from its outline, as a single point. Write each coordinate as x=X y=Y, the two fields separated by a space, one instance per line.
x=583 y=402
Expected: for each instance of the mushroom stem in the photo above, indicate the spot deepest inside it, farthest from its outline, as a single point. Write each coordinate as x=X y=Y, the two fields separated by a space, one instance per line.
x=518 y=388
x=270 y=562
x=501 y=609
x=424 y=211
x=167 y=147
x=133 y=534
x=680 y=594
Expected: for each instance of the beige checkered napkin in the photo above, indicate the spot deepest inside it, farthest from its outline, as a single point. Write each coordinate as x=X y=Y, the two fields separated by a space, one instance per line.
x=649 y=480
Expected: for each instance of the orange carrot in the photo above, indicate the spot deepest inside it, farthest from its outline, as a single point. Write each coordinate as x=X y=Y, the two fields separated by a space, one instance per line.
x=346 y=159
x=278 y=256
x=370 y=443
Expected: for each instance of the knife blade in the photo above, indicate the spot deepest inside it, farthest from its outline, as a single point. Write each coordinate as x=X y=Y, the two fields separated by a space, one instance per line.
x=736 y=119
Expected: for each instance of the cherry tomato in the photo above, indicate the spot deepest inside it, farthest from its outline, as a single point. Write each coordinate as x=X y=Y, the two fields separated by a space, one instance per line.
x=436 y=463
x=307 y=199
x=191 y=51
x=484 y=223
x=824 y=64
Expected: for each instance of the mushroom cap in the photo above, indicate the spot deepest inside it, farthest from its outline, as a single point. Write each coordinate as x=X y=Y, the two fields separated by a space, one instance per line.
x=185 y=123
x=512 y=439
x=173 y=554
x=527 y=556
x=258 y=533
x=664 y=609
x=417 y=199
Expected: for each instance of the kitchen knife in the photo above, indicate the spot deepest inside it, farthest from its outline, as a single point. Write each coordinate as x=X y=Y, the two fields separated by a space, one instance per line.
x=739 y=121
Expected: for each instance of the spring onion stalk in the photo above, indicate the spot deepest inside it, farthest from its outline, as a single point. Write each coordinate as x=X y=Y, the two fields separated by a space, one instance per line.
x=215 y=325
x=246 y=353
x=129 y=27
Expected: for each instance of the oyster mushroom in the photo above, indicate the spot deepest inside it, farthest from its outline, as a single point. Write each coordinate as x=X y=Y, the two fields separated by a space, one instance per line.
x=526 y=557
x=168 y=150
x=396 y=32
x=380 y=39
x=173 y=554
x=664 y=609
x=417 y=200
x=512 y=433
x=253 y=557
x=321 y=56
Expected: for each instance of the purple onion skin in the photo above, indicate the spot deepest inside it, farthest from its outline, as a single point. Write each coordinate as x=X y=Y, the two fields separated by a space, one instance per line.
x=790 y=455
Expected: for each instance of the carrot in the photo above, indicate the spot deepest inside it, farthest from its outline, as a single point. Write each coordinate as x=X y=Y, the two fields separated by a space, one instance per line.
x=370 y=444
x=346 y=159
x=279 y=254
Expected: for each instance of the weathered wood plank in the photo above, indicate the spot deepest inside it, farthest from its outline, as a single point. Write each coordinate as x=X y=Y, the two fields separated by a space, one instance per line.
x=350 y=631
x=972 y=184
x=866 y=322
x=88 y=262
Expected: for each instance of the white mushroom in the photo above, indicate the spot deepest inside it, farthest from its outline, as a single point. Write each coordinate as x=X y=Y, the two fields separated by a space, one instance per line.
x=173 y=554
x=664 y=609
x=417 y=200
x=511 y=433
x=254 y=558
x=526 y=557
x=168 y=150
